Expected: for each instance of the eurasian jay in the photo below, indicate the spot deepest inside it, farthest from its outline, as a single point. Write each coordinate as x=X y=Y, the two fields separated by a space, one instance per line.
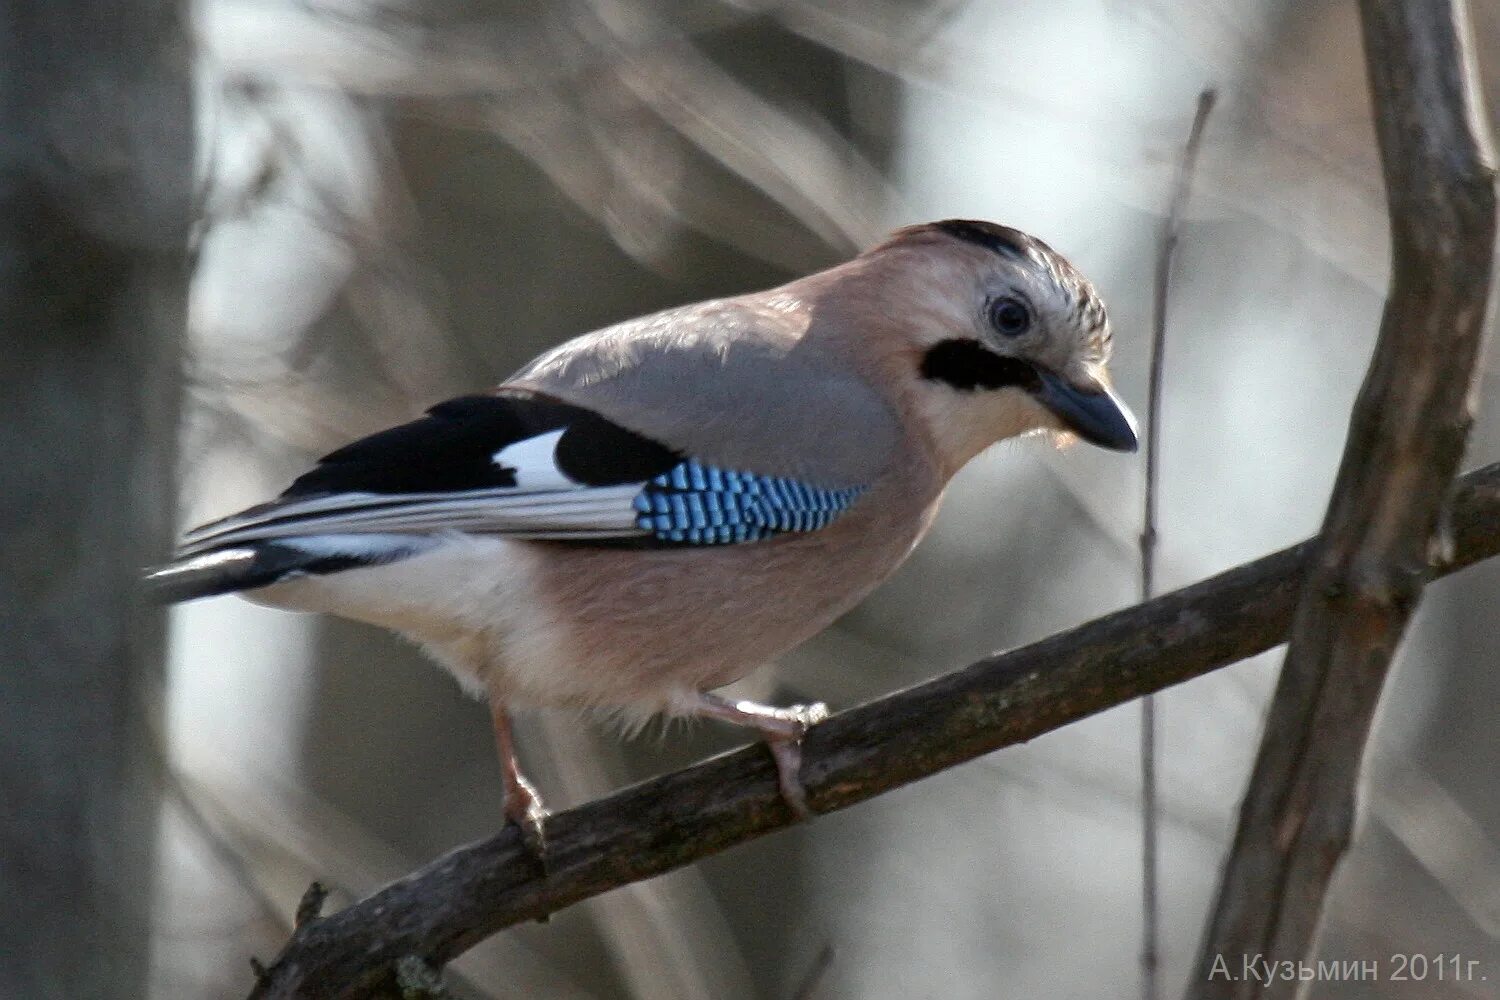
x=651 y=511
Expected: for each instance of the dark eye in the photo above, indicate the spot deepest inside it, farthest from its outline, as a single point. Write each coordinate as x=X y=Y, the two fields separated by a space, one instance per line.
x=1010 y=316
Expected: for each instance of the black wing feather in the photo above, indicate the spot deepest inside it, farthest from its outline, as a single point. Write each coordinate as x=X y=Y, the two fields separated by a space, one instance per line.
x=452 y=449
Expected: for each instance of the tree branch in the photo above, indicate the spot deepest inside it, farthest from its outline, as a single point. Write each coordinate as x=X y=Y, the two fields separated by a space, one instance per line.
x=1383 y=531
x=438 y=912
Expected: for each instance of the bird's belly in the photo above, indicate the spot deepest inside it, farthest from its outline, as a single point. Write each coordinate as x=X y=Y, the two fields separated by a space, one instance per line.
x=455 y=600
x=639 y=626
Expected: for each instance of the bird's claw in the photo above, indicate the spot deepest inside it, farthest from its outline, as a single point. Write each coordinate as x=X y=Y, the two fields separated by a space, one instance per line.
x=789 y=723
x=786 y=750
x=781 y=728
x=807 y=716
x=524 y=810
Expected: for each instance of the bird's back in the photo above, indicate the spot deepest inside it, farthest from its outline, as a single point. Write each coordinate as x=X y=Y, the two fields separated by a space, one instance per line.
x=731 y=381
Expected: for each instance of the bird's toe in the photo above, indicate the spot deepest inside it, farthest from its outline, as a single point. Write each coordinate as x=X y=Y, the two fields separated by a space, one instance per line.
x=788 y=757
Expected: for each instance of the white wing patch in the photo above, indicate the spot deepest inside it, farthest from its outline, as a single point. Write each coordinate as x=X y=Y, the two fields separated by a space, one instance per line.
x=534 y=461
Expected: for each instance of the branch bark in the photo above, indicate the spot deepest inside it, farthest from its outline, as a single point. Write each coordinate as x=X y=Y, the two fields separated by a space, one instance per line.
x=1384 y=529
x=440 y=911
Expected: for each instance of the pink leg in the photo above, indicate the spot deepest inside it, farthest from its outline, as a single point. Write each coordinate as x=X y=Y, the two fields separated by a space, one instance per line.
x=523 y=806
x=781 y=728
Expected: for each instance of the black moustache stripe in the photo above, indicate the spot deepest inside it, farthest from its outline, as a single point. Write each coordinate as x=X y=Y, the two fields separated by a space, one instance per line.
x=968 y=365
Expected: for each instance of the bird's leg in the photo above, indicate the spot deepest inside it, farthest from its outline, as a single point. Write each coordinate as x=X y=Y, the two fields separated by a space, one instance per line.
x=523 y=806
x=781 y=728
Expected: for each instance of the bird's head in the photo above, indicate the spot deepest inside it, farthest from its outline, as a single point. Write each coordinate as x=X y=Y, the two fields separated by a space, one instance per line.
x=999 y=335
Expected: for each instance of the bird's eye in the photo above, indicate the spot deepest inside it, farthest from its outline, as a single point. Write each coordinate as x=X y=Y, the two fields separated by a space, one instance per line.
x=1010 y=316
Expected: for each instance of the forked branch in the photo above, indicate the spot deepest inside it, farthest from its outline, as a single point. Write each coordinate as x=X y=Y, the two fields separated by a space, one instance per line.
x=1384 y=532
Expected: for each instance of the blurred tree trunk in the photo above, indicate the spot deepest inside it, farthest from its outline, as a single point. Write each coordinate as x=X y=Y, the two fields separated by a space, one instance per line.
x=95 y=196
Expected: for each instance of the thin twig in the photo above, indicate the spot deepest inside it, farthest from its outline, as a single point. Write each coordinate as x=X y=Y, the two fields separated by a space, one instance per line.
x=1171 y=229
x=310 y=908
x=439 y=912
x=1385 y=523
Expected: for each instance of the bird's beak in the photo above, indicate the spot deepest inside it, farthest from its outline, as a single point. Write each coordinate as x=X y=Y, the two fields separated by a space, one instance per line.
x=1091 y=411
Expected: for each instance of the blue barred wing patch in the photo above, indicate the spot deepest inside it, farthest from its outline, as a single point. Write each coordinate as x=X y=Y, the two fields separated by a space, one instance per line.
x=697 y=504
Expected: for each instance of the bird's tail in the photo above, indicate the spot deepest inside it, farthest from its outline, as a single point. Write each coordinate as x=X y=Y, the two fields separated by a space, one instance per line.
x=246 y=567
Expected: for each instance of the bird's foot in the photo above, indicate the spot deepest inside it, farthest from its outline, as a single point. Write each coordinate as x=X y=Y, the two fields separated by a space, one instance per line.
x=781 y=728
x=786 y=750
x=789 y=723
x=524 y=809
x=788 y=757
x=523 y=806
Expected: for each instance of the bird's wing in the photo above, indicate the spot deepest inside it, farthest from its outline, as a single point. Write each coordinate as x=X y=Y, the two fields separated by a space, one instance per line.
x=522 y=465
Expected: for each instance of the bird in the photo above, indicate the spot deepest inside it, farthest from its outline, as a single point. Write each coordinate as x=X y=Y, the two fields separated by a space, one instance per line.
x=649 y=512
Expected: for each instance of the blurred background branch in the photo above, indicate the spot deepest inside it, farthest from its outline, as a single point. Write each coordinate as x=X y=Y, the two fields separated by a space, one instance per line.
x=95 y=203
x=1171 y=231
x=1386 y=523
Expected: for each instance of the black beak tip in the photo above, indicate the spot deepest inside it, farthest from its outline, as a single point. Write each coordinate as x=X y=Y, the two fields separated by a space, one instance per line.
x=1128 y=440
x=1097 y=416
x=1119 y=437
